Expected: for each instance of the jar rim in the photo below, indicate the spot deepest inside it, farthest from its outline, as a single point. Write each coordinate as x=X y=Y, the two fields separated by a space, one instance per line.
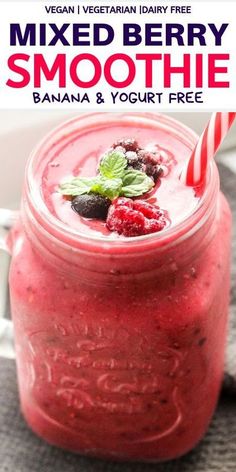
x=79 y=240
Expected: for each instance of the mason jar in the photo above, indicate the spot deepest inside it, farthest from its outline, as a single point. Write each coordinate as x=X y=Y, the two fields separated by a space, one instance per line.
x=120 y=343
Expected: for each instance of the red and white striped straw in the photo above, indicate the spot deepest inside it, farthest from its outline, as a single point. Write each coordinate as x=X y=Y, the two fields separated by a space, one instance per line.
x=196 y=168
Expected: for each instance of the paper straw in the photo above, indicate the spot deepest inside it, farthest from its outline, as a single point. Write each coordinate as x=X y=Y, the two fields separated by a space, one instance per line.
x=196 y=168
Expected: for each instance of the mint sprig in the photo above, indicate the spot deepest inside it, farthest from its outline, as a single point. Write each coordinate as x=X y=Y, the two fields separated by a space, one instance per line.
x=135 y=183
x=110 y=188
x=113 y=165
x=114 y=179
x=78 y=186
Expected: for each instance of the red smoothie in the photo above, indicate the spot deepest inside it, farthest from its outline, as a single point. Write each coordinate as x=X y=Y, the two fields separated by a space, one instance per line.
x=120 y=340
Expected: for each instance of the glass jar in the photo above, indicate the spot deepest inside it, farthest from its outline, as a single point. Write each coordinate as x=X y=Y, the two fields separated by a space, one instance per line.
x=120 y=344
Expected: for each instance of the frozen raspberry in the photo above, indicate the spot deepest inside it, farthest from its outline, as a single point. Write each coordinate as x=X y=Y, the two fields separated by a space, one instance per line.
x=148 y=210
x=123 y=201
x=91 y=206
x=134 y=217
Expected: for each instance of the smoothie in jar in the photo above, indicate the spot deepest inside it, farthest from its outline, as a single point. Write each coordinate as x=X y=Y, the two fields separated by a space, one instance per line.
x=120 y=290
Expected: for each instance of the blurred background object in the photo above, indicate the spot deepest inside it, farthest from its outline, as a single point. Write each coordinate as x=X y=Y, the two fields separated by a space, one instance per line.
x=21 y=130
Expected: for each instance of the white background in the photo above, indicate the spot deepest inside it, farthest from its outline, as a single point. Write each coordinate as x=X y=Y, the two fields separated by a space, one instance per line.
x=214 y=99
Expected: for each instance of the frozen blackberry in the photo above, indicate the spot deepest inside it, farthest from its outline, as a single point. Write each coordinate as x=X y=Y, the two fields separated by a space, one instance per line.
x=91 y=206
x=129 y=144
x=131 y=157
x=140 y=159
x=145 y=160
x=150 y=163
x=133 y=160
x=153 y=171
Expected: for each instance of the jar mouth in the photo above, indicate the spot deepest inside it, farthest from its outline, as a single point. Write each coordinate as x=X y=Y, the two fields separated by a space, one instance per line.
x=75 y=239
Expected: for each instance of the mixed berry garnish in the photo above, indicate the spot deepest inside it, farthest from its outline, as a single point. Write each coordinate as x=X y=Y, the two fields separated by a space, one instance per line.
x=126 y=171
x=140 y=159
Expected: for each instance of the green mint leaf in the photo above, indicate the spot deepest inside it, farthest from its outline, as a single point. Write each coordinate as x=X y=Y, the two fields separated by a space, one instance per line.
x=78 y=186
x=113 y=165
x=107 y=187
x=135 y=183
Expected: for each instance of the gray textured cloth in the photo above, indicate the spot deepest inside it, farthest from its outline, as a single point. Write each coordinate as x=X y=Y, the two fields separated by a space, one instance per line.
x=228 y=183
x=22 y=451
